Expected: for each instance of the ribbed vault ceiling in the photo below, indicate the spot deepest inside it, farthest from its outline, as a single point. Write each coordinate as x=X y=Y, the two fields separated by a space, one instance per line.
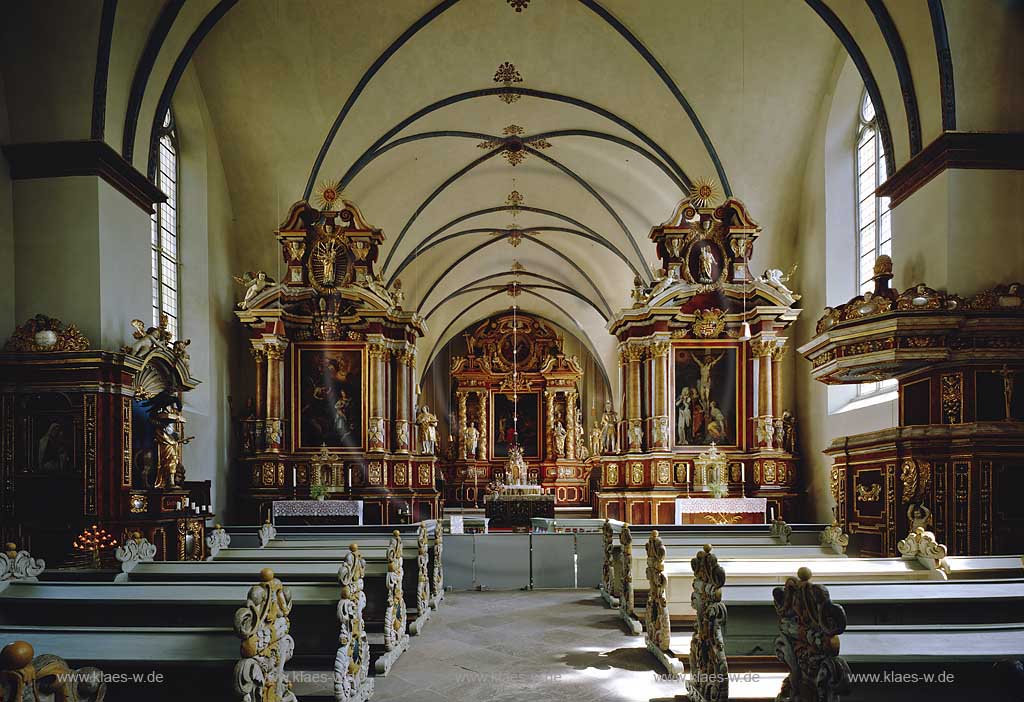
x=276 y=75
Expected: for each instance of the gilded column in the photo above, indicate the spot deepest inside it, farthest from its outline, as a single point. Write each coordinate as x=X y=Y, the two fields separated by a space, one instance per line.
x=481 y=447
x=778 y=351
x=634 y=356
x=275 y=347
x=549 y=422
x=460 y=400
x=762 y=350
x=375 y=431
x=570 y=425
x=402 y=391
x=259 y=355
x=662 y=397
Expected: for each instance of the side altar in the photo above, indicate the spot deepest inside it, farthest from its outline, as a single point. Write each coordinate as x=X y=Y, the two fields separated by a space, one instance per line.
x=334 y=412
x=543 y=395
x=700 y=368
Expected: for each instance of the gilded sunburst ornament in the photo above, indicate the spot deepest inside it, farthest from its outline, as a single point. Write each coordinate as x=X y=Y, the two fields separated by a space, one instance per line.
x=703 y=192
x=328 y=195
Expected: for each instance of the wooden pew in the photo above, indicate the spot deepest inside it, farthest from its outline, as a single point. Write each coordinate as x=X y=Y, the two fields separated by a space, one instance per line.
x=333 y=536
x=171 y=634
x=671 y=582
x=628 y=568
x=386 y=610
x=923 y=660
x=753 y=622
x=779 y=532
x=813 y=630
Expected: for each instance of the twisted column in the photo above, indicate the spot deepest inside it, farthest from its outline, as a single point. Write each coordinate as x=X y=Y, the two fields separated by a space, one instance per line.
x=481 y=447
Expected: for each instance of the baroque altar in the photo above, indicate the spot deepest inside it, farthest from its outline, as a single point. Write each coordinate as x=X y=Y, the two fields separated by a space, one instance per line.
x=544 y=396
x=700 y=369
x=334 y=354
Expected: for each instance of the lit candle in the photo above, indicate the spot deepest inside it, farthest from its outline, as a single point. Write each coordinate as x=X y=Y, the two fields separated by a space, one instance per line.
x=295 y=480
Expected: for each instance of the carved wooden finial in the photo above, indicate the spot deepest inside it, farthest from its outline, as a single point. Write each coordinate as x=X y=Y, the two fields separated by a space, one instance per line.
x=16 y=655
x=266 y=575
x=709 y=679
x=262 y=624
x=808 y=642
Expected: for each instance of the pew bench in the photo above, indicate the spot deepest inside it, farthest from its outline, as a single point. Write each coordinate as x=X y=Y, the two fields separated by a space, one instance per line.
x=634 y=580
x=415 y=581
x=388 y=636
x=752 y=625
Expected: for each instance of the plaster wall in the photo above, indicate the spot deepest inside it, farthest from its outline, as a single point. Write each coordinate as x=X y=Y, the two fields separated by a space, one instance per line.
x=7 y=321
x=825 y=247
x=205 y=217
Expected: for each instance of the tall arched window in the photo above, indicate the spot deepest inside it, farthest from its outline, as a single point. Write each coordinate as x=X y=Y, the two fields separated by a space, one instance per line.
x=165 y=231
x=874 y=221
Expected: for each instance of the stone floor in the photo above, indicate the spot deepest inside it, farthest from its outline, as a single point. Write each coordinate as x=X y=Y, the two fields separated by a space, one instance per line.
x=539 y=646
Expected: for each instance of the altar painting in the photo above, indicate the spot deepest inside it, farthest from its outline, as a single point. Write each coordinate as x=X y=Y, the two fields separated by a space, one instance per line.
x=329 y=392
x=528 y=424
x=705 y=393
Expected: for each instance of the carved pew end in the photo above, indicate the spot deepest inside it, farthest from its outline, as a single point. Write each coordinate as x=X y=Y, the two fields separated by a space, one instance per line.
x=22 y=672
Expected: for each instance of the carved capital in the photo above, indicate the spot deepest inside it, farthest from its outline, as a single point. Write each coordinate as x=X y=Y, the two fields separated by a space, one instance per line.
x=763 y=346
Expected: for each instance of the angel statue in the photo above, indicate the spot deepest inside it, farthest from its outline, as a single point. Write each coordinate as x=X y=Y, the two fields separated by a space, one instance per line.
x=146 y=339
x=775 y=278
x=254 y=283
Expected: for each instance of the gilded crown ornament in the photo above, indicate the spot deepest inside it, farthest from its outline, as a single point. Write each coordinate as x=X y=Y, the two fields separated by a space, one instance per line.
x=42 y=333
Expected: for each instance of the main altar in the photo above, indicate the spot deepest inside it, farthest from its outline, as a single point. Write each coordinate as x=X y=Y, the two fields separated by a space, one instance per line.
x=334 y=412
x=542 y=396
x=700 y=371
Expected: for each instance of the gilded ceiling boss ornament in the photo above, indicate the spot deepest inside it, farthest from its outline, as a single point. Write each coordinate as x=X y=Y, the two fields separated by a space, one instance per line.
x=518 y=5
x=808 y=643
x=514 y=145
x=262 y=625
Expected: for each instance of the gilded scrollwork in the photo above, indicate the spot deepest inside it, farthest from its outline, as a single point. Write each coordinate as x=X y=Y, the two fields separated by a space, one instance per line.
x=625 y=584
x=352 y=660
x=437 y=576
x=869 y=494
x=395 y=636
x=709 y=670
x=808 y=642
x=19 y=565
x=262 y=624
x=422 y=579
x=26 y=677
x=42 y=333
x=832 y=536
x=607 y=569
x=921 y=546
x=216 y=540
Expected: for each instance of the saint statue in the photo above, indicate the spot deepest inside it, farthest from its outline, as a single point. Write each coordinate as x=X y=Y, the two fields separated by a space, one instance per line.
x=471 y=439
x=683 y=418
x=560 y=434
x=325 y=252
x=707 y=265
x=170 y=472
x=427 y=422
x=595 y=438
x=609 y=429
x=788 y=431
